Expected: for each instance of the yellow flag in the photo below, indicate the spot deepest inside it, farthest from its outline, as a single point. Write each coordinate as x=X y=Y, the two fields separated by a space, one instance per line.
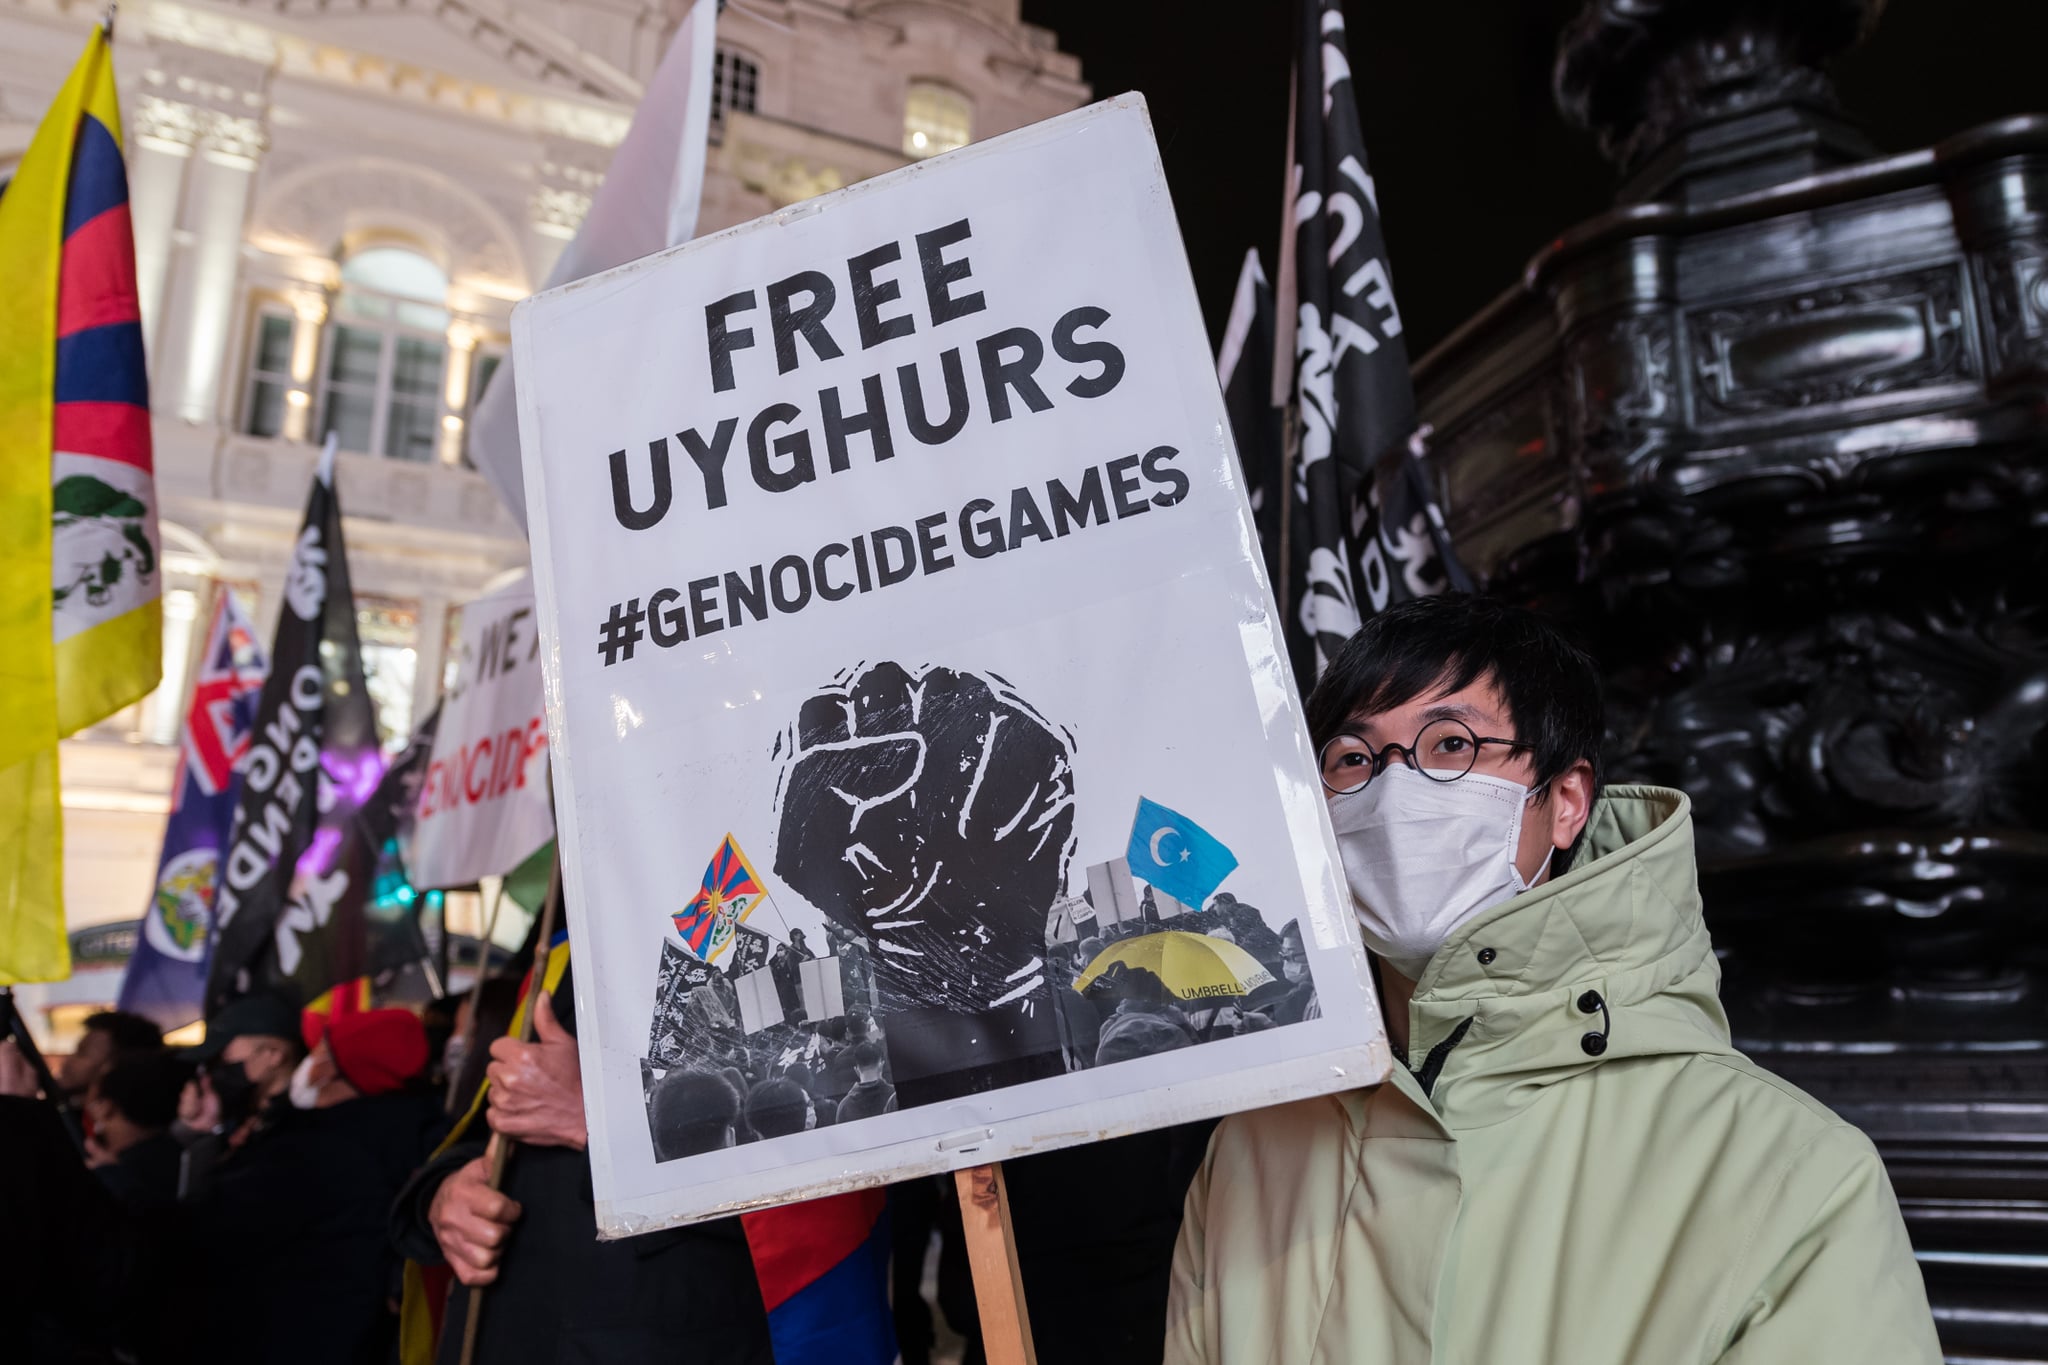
x=80 y=575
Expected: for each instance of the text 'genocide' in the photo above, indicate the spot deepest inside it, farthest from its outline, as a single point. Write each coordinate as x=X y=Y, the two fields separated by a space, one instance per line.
x=781 y=452
x=1128 y=486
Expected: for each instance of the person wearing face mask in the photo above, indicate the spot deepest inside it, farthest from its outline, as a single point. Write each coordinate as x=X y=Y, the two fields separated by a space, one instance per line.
x=300 y=1208
x=1571 y=1164
x=245 y=1062
x=1291 y=997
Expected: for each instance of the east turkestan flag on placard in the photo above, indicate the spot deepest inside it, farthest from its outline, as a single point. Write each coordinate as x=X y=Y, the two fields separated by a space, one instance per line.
x=286 y=890
x=1176 y=855
x=1363 y=529
x=80 y=585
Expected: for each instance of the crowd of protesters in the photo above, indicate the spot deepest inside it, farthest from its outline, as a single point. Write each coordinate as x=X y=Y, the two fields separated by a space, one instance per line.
x=227 y=1201
x=1569 y=1163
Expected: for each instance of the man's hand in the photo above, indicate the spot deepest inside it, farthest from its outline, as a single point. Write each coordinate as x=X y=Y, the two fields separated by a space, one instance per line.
x=17 y=1077
x=97 y=1155
x=537 y=1088
x=198 y=1106
x=471 y=1222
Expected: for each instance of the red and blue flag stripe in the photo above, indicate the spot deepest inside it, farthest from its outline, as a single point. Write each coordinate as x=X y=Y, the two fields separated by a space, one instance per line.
x=728 y=877
x=698 y=924
x=823 y=1267
x=102 y=387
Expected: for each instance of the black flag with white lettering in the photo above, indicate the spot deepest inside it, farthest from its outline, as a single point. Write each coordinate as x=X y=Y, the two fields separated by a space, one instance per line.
x=312 y=763
x=1361 y=530
x=1244 y=369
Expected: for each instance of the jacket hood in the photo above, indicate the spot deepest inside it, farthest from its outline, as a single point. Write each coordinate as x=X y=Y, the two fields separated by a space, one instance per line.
x=1624 y=924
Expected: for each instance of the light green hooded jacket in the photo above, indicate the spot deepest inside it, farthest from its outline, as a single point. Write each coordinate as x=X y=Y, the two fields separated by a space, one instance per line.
x=1662 y=1202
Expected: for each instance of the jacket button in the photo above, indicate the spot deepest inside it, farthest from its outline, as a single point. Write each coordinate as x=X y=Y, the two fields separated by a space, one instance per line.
x=1589 y=1003
x=1486 y=957
x=1594 y=1044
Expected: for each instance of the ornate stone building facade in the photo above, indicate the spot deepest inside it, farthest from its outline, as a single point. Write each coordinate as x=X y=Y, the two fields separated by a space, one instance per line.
x=336 y=206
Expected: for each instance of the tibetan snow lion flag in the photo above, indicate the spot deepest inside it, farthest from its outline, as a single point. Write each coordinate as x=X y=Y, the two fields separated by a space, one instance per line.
x=732 y=891
x=80 y=586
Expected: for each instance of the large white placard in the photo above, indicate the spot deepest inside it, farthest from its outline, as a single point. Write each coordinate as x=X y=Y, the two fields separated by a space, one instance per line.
x=895 y=570
x=483 y=808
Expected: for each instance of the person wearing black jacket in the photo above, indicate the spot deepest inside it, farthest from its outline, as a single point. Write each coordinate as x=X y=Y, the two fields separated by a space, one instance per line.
x=292 y=1225
x=131 y=1108
x=555 y=1293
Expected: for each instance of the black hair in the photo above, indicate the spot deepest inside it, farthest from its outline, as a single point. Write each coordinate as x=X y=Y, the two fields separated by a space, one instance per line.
x=1432 y=646
x=776 y=1109
x=868 y=1054
x=143 y=1087
x=495 y=1007
x=127 y=1032
x=692 y=1112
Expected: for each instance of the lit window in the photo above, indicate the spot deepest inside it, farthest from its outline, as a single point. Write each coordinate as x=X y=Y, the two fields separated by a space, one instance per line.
x=388 y=632
x=735 y=84
x=270 y=374
x=385 y=352
x=936 y=118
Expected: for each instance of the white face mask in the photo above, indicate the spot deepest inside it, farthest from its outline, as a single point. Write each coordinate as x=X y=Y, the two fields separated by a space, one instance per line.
x=305 y=1091
x=1423 y=857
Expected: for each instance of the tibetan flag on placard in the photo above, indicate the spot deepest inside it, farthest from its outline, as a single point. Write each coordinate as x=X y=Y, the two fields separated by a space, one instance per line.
x=823 y=1268
x=731 y=892
x=80 y=585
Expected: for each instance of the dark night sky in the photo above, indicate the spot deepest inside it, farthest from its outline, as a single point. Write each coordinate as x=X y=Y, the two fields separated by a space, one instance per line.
x=1474 y=166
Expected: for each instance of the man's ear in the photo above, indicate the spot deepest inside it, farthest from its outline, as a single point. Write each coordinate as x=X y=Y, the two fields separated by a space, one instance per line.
x=1571 y=802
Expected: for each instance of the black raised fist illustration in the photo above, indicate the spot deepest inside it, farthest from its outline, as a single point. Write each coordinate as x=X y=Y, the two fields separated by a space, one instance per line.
x=933 y=813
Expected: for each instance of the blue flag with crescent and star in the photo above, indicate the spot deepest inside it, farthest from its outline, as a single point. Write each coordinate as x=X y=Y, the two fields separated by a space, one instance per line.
x=1176 y=855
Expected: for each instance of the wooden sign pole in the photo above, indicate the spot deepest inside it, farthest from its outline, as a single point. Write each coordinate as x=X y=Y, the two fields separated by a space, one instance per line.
x=992 y=1252
x=499 y=1149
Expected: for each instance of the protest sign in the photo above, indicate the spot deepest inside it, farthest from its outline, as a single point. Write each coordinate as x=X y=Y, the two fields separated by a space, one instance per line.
x=483 y=808
x=897 y=584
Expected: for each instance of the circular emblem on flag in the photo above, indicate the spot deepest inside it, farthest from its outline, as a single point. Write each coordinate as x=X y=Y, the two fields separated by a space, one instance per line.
x=176 y=923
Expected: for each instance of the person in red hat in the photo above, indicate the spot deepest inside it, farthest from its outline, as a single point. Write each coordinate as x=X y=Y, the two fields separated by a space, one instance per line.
x=299 y=1210
x=356 y=1055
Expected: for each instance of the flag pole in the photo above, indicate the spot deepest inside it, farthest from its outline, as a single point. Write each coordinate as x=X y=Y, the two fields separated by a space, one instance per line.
x=992 y=1254
x=14 y=1028
x=476 y=991
x=1286 y=319
x=500 y=1148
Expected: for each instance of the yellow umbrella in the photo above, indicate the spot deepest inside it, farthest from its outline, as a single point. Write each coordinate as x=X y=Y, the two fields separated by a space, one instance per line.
x=1193 y=966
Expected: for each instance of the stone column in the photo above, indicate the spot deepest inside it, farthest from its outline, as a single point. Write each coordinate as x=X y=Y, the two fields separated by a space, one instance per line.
x=164 y=132
x=203 y=294
x=229 y=106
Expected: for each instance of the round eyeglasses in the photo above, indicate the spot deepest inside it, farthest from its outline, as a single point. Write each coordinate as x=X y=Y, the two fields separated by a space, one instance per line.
x=1443 y=751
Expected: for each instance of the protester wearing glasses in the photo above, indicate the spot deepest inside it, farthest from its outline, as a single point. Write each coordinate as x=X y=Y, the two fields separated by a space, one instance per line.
x=1571 y=1163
